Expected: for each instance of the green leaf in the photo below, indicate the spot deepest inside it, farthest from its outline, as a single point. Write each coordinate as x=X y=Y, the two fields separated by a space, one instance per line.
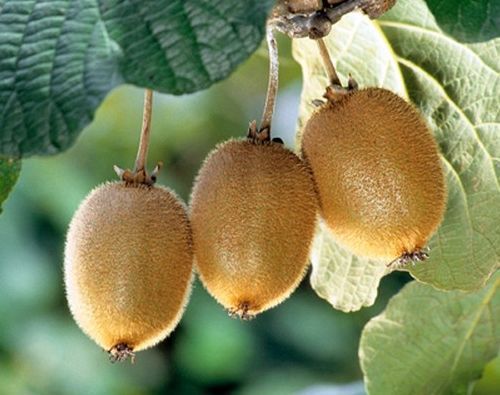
x=58 y=59
x=9 y=173
x=456 y=87
x=467 y=20
x=431 y=342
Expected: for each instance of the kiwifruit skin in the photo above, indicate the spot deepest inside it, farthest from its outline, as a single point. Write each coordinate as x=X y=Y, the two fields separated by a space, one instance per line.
x=378 y=173
x=128 y=264
x=253 y=213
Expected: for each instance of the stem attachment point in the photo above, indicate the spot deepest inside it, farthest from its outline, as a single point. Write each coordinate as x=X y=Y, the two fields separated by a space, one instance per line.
x=121 y=352
x=140 y=176
x=419 y=255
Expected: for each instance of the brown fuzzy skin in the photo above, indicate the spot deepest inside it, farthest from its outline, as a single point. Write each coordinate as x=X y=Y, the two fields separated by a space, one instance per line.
x=253 y=213
x=377 y=168
x=128 y=264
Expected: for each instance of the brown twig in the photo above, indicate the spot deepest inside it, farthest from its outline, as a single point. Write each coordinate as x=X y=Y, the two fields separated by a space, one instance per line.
x=318 y=24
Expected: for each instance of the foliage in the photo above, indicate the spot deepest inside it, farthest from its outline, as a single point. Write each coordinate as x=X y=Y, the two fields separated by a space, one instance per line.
x=59 y=59
x=440 y=350
x=9 y=172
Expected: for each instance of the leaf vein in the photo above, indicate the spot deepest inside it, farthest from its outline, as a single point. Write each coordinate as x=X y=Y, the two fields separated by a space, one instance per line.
x=420 y=29
x=454 y=105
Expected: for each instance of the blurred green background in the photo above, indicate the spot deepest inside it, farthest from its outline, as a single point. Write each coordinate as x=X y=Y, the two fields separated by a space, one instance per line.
x=301 y=347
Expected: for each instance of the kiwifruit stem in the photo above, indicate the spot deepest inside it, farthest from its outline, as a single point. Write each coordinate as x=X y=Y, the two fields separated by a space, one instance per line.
x=142 y=152
x=272 y=86
x=327 y=62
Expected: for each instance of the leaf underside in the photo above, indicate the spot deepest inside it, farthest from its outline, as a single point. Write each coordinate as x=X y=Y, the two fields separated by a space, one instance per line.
x=440 y=350
x=59 y=59
x=456 y=86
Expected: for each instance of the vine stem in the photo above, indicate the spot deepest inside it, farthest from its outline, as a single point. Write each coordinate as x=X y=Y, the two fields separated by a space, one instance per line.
x=272 y=86
x=142 y=152
x=327 y=62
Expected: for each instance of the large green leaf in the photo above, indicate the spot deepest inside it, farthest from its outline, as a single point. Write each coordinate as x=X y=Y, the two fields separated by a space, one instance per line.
x=467 y=20
x=457 y=87
x=431 y=342
x=58 y=59
x=9 y=173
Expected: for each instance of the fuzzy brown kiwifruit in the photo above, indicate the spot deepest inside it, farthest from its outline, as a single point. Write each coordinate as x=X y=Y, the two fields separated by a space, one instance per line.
x=128 y=266
x=253 y=213
x=378 y=173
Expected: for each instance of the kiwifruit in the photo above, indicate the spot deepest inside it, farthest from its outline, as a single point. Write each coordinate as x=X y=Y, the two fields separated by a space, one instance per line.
x=253 y=213
x=128 y=265
x=378 y=173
